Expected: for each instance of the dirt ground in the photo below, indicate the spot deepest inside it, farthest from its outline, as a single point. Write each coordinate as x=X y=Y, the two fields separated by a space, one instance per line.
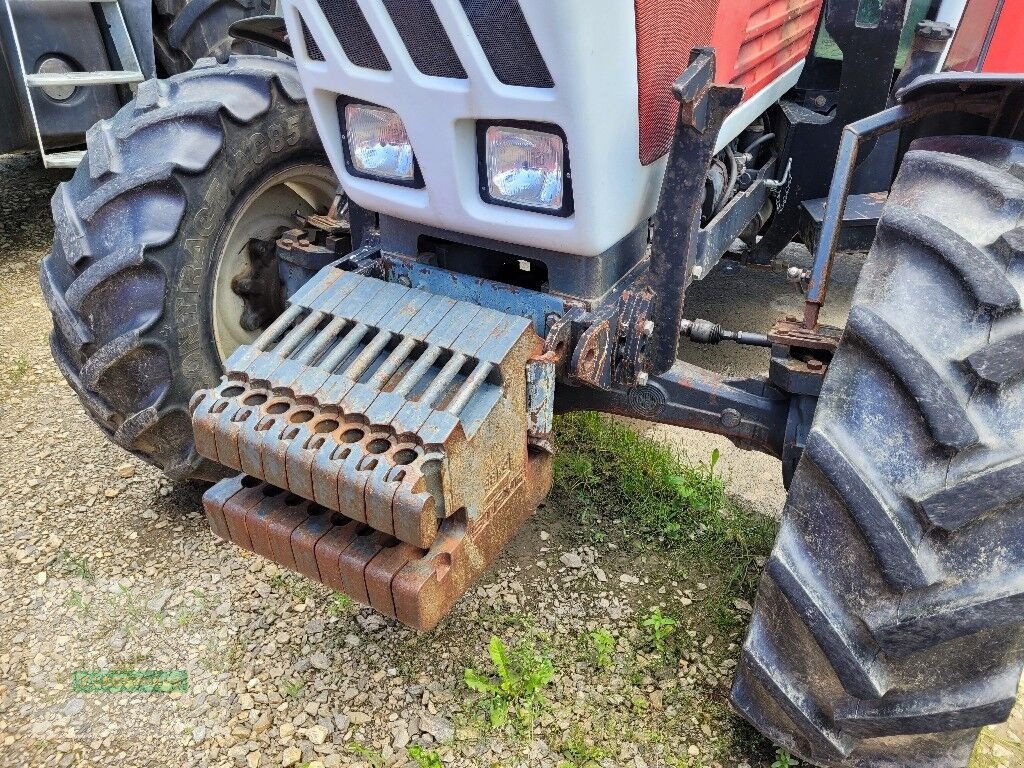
x=107 y=565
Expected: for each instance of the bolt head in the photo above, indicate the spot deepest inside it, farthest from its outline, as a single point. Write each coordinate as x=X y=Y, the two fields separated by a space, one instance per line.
x=642 y=378
x=731 y=418
x=815 y=365
x=698 y=272
x=648 y=329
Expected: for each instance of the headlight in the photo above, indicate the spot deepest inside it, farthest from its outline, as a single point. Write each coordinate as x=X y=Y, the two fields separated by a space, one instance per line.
x=526 y=168
x=377 y=145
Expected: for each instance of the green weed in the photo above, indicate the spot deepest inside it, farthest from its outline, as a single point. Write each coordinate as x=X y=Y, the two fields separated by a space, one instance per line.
x=659 y=627
x=340 y=605
x=78 y=602
x=372 y=756
x=783 y=759
x=424 y=758
x=76 y=566
x=298 y=587
x=293 y=688
x=602 y=644
x=185 y=617
x=516 y=695
x=19 y=369
x=578 y=752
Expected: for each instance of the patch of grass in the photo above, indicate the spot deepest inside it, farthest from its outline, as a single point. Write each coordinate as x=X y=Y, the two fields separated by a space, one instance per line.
x=296 y=586
x=19 y=369
x=580 y=753
x=76 y=601
x=602 y=644
x=340 y=605
x=659 y=627
x=603 y=465
x=783 y=759
x=293 y=688
x=278 y=581
x=76 y=566
x=424 y=758
x=513 y=693
x=372 y=756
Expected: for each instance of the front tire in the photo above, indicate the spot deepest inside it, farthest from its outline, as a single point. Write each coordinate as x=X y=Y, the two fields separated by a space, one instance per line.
x=143 y=228
x=889 y=627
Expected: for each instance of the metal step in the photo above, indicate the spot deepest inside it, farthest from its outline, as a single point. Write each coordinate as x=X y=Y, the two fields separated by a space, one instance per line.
x=129 y=74
x=402 y=410
x=860 y=220
x=76 y=79
x=69 y=159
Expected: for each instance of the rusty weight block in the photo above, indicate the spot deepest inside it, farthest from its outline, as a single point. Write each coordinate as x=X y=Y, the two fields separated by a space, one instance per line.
x=417 y=586
x=396 y=407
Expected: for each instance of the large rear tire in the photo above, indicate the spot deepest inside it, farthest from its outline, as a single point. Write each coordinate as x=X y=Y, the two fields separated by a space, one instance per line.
x=154 y=231
x=888 y=626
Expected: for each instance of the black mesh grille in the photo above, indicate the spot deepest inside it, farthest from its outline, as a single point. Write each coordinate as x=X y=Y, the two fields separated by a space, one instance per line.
x=425 y=38
x=506 y=39
x=354 y=34
x=312 y=49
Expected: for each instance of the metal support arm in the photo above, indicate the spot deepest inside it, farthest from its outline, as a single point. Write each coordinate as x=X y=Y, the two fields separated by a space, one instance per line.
x=702 y=108
x=918 y=104
x=750 y=412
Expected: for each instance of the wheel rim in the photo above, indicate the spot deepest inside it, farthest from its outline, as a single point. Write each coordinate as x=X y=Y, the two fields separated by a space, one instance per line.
x=265 y=212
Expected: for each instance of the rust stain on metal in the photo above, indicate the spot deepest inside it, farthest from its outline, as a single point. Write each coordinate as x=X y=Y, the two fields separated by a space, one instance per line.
x=417 y=586
x=792 y=333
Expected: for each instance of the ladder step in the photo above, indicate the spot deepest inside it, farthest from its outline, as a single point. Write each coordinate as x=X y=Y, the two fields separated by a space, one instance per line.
x=114 y=77
x=64 y=159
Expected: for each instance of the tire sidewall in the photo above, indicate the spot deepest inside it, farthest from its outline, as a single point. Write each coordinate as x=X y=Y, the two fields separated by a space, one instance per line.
x=283 y=137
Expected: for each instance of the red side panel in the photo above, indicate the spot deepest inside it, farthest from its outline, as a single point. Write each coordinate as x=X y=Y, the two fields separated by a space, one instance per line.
x=988 y=38
x=777 y=36
x=972 y=35
x=755 y=41
x=666 y=32
x=1006 y=48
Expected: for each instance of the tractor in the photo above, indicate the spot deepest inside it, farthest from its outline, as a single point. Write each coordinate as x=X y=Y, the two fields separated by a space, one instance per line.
x=352 y=281
x=67 y=64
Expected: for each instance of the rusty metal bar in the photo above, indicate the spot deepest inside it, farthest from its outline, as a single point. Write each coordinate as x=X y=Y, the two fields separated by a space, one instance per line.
x=703 y=107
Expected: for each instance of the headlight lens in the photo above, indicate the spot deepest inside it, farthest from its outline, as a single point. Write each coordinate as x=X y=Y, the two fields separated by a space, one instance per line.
x=525 y=167
x=378 y=144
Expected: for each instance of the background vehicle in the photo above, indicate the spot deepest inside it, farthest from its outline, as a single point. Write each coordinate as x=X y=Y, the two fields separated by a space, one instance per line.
x=520 y=218
x=67 y=64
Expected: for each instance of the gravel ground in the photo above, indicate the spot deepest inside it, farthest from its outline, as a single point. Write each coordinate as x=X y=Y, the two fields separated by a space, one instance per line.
x=108 y=565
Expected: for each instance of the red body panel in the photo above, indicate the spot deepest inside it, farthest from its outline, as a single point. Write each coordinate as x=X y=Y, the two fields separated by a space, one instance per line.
x=666 y=32
x=775 y=35
x=1006 y=49
x=989 y=38
x=755 y=42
